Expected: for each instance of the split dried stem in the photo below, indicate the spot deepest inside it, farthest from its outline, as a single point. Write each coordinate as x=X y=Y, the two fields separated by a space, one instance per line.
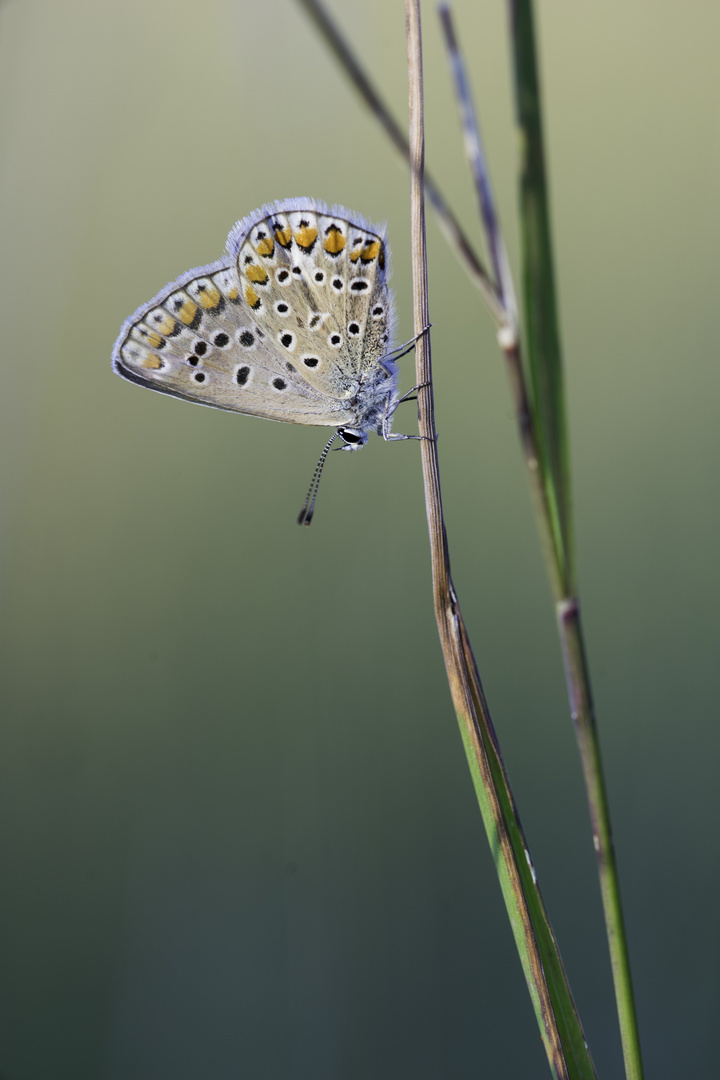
x=447 y=220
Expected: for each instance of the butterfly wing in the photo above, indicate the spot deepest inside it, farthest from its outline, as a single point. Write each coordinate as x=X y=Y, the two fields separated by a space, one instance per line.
x=285 y=327
x=317 y=280
x=196 y=340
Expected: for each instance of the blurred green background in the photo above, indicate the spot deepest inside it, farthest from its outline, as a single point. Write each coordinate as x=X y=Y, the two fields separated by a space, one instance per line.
x=239 y=837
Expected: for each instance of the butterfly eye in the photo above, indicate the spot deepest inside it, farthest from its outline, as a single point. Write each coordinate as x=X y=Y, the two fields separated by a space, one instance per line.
x=242 y=375
x=319 y=277
x=335 y=340
x=282 y=308
x=221 y=340
x=338 y=284
x=310 y=361
x=287 y=340
x=353 y=329
x=282 y=276
x=378 y=312
x=246 y=338
x=352 y=437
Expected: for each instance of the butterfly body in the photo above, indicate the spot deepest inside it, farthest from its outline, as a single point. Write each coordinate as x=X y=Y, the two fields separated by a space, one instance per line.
x=294 y=325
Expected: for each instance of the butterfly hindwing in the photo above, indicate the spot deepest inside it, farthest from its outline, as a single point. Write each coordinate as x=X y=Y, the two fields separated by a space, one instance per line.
x=318 y=285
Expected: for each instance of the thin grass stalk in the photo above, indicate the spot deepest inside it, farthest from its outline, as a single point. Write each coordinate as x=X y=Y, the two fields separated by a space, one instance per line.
x=475 y=153
x=559 y=1024
x=449 y=223
x=544 y=341
x=581 y=705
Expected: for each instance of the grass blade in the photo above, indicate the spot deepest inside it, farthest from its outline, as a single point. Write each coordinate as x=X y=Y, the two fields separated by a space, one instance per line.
x=542 y=336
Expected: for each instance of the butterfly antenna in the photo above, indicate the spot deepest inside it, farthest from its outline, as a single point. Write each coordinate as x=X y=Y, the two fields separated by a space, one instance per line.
x=306 y=514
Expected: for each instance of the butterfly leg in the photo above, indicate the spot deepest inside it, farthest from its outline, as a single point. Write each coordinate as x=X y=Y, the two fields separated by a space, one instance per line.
x=400 y=351
x=391 y=436
x=411 y=394
x=407 y=346
x=394 y=436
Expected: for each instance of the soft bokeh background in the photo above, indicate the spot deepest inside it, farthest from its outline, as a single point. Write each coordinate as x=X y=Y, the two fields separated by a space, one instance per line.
x=239 y=837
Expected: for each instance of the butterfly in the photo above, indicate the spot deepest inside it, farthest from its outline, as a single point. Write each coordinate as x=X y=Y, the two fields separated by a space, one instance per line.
x=294 y=324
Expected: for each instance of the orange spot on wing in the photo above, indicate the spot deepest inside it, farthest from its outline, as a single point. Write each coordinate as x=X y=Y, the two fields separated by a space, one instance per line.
x=209 y=297
x=371 y=251
x=187 y=312
x=266 y=247
x=252 y=297
x=154 y=339
x=306 y=237
x=335 y=241
x=153 y=362
x=166 y=326
x=258 y=274
x=283 y=236
x=233 y=292
x=355 y=255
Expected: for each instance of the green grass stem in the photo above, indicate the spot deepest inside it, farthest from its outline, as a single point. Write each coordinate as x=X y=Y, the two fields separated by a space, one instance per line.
x=549 y=423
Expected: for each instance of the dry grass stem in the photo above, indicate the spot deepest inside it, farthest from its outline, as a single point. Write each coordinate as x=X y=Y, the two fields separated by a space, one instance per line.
x=475 y=153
